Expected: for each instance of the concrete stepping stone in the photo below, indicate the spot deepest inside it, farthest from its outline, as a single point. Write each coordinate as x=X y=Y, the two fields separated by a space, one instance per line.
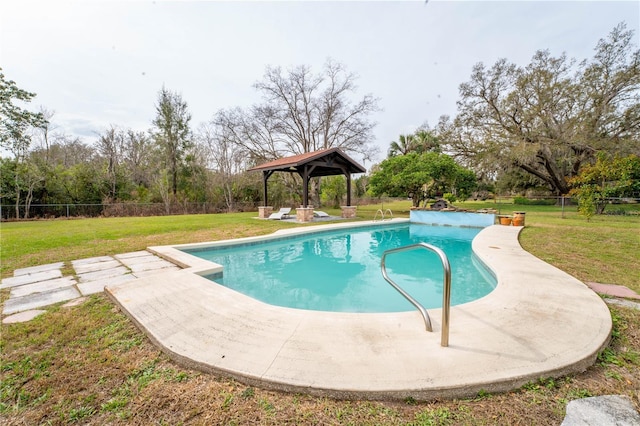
x=98 y=286
x=613 y=290
x=622 y=302
x=150 y=272
x=31 y=278
x=140 y=260
x=97 y=266
x=133 y=254
x=106 y=273
x=38 y=300
x=91 y=260
x=23 y=316
x=41 y=268
x=42 y=286
x=601 y=410
x=149 y=266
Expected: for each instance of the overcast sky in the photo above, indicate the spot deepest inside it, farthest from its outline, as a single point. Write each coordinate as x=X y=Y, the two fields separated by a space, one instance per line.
x=97 y=63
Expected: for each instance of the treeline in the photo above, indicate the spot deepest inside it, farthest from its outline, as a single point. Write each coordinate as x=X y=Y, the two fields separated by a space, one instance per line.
x=179 y=166
x=125 y=173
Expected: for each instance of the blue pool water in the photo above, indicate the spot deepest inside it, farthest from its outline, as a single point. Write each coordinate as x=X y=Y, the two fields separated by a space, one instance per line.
x=340 y=270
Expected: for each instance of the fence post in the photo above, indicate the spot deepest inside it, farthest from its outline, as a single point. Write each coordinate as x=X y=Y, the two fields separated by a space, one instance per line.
x=67 y=211
x=563 y=206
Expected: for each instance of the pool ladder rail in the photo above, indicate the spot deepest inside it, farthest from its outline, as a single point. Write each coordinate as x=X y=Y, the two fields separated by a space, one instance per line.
x=382 y=214
x=446 y=295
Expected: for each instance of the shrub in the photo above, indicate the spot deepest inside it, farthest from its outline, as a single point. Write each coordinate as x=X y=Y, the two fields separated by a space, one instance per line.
x=534 y=202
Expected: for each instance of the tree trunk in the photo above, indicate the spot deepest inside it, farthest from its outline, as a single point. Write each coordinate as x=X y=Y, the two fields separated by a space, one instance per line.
x=17 y=192
x=27 y=201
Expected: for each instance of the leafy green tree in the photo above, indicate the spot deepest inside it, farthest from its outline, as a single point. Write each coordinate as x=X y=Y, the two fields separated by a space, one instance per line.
x=421 y=177
x=360 y=185
x=83 y=185
x=334 y=188
x=552 y=116
x=194 y=179
x=463 y=183
x=7 y=180
x=15 y=122
x=172 y=132
x=607 y=178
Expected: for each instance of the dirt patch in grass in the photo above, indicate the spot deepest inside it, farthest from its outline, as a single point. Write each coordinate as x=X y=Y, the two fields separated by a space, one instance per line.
x=90 y=365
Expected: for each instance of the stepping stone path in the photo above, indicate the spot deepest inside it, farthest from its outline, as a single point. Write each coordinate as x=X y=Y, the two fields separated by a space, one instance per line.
x=44 y=285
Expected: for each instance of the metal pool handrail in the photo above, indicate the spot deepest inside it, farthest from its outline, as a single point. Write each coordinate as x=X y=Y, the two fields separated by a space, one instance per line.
x=446 y=295
x=382 y=214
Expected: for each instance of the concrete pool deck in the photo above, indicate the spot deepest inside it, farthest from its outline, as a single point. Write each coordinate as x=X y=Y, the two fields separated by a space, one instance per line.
x=538 y=322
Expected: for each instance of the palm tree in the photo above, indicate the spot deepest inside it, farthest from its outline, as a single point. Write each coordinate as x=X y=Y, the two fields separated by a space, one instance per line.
x=426 y=141
x=403 y=146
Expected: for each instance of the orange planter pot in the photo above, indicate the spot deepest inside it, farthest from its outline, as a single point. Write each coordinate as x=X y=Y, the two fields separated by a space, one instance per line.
x=505 y=220
x=518 y=217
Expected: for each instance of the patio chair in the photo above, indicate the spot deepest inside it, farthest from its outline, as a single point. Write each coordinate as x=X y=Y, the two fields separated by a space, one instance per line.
x=283 y=213
x=319 y=213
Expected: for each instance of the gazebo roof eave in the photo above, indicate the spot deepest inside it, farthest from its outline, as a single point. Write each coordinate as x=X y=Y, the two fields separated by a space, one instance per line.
x=296 y=163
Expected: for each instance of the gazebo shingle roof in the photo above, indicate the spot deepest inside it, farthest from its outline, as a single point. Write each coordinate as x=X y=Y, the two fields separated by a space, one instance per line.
x=325 y=162
x=328 y=162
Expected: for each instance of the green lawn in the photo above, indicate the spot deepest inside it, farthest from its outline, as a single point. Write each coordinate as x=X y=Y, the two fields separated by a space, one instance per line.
x=38 y=242
x=604 y=249
x=90 y=364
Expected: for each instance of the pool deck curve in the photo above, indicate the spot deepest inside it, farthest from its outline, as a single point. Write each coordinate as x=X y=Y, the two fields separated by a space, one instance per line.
x=538 y=322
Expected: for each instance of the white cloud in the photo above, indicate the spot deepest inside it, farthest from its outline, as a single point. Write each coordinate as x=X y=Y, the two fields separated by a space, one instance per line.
x=99 y=62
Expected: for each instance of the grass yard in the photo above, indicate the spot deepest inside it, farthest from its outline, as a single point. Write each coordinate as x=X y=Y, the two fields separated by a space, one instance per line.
x=90 y=365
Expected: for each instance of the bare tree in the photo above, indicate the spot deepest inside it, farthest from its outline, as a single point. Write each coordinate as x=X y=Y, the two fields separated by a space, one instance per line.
x=225 y=159
x=47 y=132
x=308 y=112
x=254 y=132
x=138 y=156
x=110 y=146
x=68 y=151
x=303 y=112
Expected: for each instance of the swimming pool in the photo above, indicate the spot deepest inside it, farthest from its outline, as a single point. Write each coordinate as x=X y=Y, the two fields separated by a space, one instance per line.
x=340 y=270
x=532 y=325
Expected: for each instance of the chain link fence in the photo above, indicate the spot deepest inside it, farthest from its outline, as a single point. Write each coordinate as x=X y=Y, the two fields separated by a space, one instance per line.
x=619 y=206
x=51 y=211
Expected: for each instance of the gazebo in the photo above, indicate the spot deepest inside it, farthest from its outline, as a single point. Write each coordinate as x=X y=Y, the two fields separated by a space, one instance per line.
x=325 y=162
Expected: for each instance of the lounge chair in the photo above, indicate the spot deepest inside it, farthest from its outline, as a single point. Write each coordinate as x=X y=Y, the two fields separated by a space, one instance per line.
x=318 y=213
x=283 y=213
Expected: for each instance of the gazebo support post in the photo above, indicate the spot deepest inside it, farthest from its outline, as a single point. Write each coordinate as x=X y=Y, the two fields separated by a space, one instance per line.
x=265 y=176
x=305 y=187
x=265 y=211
